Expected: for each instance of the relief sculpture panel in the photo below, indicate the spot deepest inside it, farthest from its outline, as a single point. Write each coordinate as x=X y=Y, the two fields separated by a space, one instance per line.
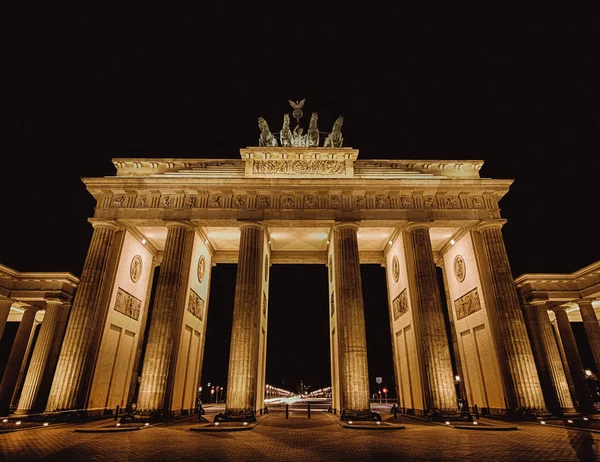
x=400 y=305
x=299 y=167
x=196 y=305
x=127 y=304
x=467 y=304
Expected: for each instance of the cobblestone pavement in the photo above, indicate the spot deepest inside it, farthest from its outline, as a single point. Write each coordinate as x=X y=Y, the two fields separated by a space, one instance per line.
x=299 y=439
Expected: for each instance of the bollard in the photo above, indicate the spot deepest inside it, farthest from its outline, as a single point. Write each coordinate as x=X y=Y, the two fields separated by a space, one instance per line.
x=287 y=410
x=476 y=411
x=117 y=412
x=395 y=413
x=308 y=411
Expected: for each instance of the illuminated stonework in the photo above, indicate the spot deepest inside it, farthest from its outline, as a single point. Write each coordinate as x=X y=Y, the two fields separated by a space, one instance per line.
x=294 y=205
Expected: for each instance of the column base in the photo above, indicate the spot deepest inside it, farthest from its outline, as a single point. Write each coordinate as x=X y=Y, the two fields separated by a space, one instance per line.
x=236 y=415
x=361 y=415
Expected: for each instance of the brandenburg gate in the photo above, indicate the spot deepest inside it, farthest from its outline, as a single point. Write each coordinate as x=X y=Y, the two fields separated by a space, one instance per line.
x=294 y=199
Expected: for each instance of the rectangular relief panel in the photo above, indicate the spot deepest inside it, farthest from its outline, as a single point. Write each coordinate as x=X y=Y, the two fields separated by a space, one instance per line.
x=468 y=304
x=127 y=304
x=400 y=304
x=196 y=305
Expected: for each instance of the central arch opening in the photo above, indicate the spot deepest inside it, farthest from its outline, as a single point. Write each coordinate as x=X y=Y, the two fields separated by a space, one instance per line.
x=298 y=351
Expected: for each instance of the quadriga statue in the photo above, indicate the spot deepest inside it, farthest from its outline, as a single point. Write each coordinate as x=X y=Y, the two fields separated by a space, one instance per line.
x=335 y=139
x=266 y=137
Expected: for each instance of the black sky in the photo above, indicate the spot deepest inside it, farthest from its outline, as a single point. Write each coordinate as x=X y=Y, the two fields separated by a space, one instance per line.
x=517 y=89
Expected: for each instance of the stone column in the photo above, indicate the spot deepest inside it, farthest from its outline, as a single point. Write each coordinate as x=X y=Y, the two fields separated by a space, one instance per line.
x=352 y=338
x=574 y=360
x=522 y=383
x=65 y=391
x=438 y=377
x=547 y=359
x=5 y=305
x=243 y=356
x=563 y=359
x=592 y=328
x=156 y=386
x=15 y=360
x=43 y=361
x=24 y=366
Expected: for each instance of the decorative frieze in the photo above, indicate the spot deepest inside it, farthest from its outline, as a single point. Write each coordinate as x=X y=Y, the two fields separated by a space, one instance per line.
x=196 y=305
x=308 y=200
x=468 y=304
x=400 y=305
x=298 y=167
x=127 y=304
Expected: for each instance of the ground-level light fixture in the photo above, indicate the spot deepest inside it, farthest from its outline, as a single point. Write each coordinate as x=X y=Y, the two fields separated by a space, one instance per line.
x=18 y=422
x=350 y=422
x=474 y=423
x=4 y=420
x=588 y=372
x=457 y=378
x=586 y=419
x=543 y=422
x=569 y=421
x=245 y=423
x=144 y=241
x=452 y=241
x=45 y=424
x=447 y=423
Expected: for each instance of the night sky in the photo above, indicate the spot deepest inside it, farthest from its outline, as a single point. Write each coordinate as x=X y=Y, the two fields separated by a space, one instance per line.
x=517 y=89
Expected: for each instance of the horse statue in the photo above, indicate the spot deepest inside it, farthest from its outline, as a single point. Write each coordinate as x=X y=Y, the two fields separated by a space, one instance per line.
x=334 y=139
x=266 y=137
x=285 y=136
x=313 y=131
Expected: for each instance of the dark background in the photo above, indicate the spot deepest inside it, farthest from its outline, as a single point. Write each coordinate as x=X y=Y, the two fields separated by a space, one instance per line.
x=517 y=89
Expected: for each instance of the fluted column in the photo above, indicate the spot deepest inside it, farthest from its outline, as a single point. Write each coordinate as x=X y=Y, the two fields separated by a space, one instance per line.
x=592 y=328
x=65 y=391
x=43 y=361
x=15 y=360
x=243 y=356
x=5 y=305
x=547 y=359
x=440 y=392
x=156 y=386
x=24 y=365
x=574 y=360
x=354 y=372
x=523 y=382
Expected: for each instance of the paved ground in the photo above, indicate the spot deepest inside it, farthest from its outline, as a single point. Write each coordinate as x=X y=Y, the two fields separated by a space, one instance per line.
x=300 y=439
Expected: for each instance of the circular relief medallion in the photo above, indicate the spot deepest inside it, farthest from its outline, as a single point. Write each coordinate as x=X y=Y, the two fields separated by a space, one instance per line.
x=266 y=267
x=460 y=269
x=395 y=268
x=330 y=268
x=135 y=269
x=201 y=268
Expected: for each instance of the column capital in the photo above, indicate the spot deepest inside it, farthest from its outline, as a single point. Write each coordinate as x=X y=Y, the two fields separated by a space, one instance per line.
x=100 y=223
x=346 y=224
x=584 y=302
x=418 y=224
x=251 y=224
x=490 y=224
x=180 y=224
